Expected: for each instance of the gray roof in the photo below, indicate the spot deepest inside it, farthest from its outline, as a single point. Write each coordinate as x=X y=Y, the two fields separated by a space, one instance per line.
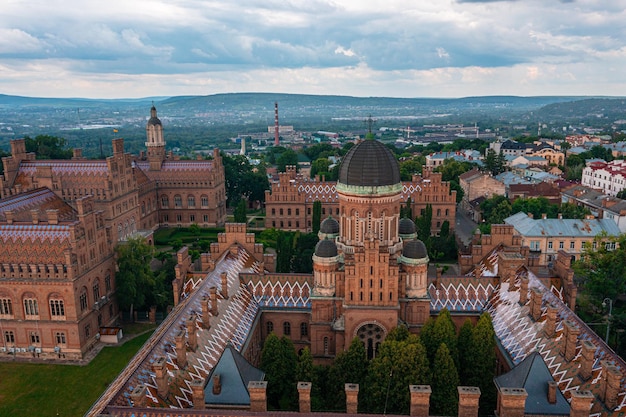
x=406 y=226
x=369 y=164
x=561 y=227
x=329 y=226
x=326 y=249
x=235 y=372
x=533 y=375
x=415 y=249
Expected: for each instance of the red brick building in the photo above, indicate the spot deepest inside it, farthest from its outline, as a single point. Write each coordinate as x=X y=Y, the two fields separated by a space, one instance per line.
x=60 y=221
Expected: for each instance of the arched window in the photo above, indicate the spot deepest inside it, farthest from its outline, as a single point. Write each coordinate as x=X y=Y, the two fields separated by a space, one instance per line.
x=270 y=327
x=178 y=201
x=204 y=200
x=31 y=308
x=191 y=201
x=6 y=306
x=83 y=299
x=165 y=202
x=107 y=282
x=96 y=290
x=287 y=328
x=304 y=329
x=57 y=308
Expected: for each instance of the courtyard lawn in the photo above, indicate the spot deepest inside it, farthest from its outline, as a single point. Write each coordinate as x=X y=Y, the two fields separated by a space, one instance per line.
x=61 y=390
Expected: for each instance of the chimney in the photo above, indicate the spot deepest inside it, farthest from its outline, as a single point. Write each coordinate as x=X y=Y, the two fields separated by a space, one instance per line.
x=544 y=216
x=160 y=370
x=197 y=394
x=352 y=398
x=580 y=403
x=213 y=297
x=552 y=392
x=77 y=153
x=468 y=401
x=587 y=359
x=181 y=349
x=224 y=278
x=420 y=400
x=258 y=396
x=570 y=337
x=550 y=323
x=535 y=303
x=34 y=214
x=8 y=214
x=530 y=215
x=192 y=338
x=523 y=291
x=53 y=216
x=206 y=320
x=304 y=397
x=611 y=378
x=139 y=396
x=560 y=216
x=217 y=384
x=511 y=402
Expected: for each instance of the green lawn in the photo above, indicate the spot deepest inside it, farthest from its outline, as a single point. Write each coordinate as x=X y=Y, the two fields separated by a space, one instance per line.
x=61 y=390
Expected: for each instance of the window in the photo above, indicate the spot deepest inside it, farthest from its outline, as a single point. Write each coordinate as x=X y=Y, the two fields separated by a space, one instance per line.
x=179 y=218
x=87 y=330
x=83 y=300
x=610 y=245
x=6 y=307
x=165 y=203
x=326 y=346
x=297 y=212
x=561 y=245
x=571 y=245
x=270 y=327
x=34 y=338
x=30 y=307
x=191 y=201
x=273 y=212
x=9 y=336
x=107 y=283
x=96 y=291
x=287 y=328
x=288 y=212
x=550 y=245
x=60 y=338
x=280 y=211
x=534 y=245
x=57 y=308
x=204 y=200
x=206 y=218
x=178 y=202
x=304 y=329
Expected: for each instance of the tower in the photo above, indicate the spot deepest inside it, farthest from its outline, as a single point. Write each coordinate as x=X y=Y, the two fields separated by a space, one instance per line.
x=155 y=143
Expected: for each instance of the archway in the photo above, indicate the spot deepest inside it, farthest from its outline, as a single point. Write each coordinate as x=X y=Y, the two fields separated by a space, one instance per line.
x=372 y=335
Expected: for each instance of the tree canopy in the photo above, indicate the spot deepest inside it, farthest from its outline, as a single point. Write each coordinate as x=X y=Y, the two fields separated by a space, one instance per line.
x=134 y=279
x=48 y=147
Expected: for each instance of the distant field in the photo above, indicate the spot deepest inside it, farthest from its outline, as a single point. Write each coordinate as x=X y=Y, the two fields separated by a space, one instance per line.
x=61 y=390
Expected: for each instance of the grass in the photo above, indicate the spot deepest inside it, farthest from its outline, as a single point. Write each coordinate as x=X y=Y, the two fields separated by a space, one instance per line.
x=61 y=390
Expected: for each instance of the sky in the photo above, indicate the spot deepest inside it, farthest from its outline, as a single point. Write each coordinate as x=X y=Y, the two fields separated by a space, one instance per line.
x=363 y=48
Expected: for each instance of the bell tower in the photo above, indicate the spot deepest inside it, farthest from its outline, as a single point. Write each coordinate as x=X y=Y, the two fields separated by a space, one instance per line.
x=155 y=143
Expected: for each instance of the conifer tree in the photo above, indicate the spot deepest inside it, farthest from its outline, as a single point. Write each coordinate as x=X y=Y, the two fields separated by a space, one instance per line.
x=445 y=332
x=304 y=369
x=483 y=363
x=278 y=361
x=350 y=366
x=444 y=383
x=465 y=351
x=317 y=216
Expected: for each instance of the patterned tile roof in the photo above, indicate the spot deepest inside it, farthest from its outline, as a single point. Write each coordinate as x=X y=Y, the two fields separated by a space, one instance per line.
x=40 y=199
x=34 y=232
x=326 y=191
x=174 y=166
x=233 y=324
x=280 y=291
x=68 y=167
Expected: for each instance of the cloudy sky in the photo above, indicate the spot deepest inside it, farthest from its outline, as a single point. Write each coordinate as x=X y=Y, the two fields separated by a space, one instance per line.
x=395 y=48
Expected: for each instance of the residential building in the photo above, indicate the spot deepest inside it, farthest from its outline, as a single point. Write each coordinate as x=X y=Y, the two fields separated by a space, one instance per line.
x=609 y=177
x=476 y=184
x=601 y=205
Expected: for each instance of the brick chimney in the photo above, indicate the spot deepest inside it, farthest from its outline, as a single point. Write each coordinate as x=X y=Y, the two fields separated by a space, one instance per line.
x=352 y=398
x=550 y=325
x=523 y=291
x=77 y=153
x=197 y=394
x=139 y=396
x=213 y=297
x=217 y=384
x=8 y=214
x=552 y=387
x=192 y=338
x=587 y=358
x=304 y=397
x=258 y=396
x=224 y=278
x=611 y=378
x=580 y=403
x=160 y=370
x=511 y=402
x=468 y=401
x=206 y=320
x=53 y=216
x=570 y=337
x=420 y=400
x=535 y=303
x=181 y=349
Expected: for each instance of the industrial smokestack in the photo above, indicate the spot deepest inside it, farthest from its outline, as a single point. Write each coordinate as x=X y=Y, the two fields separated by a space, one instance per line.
x=276 y=136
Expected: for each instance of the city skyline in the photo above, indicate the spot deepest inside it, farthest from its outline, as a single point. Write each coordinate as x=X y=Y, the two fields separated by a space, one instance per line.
x=394 y=48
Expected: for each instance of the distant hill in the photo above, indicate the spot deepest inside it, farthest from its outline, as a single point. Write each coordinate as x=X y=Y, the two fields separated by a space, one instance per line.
x=605 y=108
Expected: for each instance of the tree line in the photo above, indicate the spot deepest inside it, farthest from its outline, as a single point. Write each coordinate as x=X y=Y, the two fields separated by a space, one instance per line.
x=438 y=357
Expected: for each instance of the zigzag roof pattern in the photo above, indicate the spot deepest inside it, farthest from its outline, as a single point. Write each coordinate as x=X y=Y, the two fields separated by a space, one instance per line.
x=235 y=319
x=281 y=293
x=326 y=191
x=520 y=336
x=40 y=199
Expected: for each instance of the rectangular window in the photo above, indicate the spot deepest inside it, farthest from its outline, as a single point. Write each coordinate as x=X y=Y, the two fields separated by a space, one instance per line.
x=60 y=338
x=534 y=245
x=192 y=218
x=179 y=218
x=571 y=244
x=9 y=336
x=34 y=338
x=550 y=245
x=30 y=307
x=57 y=308
x=561 y=245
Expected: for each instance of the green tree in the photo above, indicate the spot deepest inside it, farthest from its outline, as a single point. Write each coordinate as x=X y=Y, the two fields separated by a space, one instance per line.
x=279 y=362
x=620 y=194
x=241 y=212
x=483 y=360
x=350 y=366
x=444 y=383
x=48 y=147
x=317 y=216
x=320 y=167
x=289 y=157
x=465 y=345
x=410 y=167
x=445 y=332
x=134 y=279
x=241 y=181
x=424 y=223
x=304 y=369
x=397 y=365
x=406 y=211
x=284 y=251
